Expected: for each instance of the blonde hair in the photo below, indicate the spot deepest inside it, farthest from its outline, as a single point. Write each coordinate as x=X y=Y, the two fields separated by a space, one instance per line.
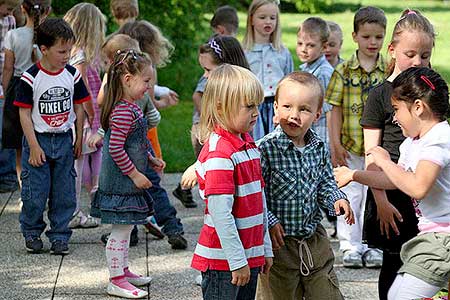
x=334 y=27
x=249 y=37
x=124 y=9
x=88 y=25
x=151 y=40
x=12 y=3
x=227 y=88
x=117 y=42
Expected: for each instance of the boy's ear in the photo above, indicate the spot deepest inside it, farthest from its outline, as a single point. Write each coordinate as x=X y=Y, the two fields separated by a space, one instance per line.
x=43 y=49
x=318 y=114
x=391 y=50
x=220 y=29
x=354 y=36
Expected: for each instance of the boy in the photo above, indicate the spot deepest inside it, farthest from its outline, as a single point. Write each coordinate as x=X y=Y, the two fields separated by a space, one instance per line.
x=312 y=37
x=347 y=92
x=50 y=97
x=8 y=177
x=334 y=44
x=124 y=11
x=224 y=22
x=299 y=179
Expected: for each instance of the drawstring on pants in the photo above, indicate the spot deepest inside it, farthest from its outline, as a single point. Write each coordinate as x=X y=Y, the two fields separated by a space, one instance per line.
x=305 y=266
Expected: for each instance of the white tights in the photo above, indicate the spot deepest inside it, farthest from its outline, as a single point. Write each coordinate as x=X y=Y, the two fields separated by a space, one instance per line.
x=117 y=249
x=407 y=287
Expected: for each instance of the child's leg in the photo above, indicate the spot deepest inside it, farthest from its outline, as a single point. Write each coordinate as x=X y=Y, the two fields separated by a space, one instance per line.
x=79 y=171
x=19 y=164
x=96 y=163
x=216 y=285
x=62 y=201
x=407 y=287
x=389 y=268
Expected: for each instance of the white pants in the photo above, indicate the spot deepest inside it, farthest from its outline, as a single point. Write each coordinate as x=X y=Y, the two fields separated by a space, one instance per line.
x=350 y=237
x=407 y=287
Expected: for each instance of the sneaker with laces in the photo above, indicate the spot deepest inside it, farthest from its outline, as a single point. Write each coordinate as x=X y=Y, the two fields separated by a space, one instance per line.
x=80 y=220
x=177 y=241
x=373 y=259
x=153 y=230
x=59 y=248
x=185 y=196
x=34 y=245
x=352 y=259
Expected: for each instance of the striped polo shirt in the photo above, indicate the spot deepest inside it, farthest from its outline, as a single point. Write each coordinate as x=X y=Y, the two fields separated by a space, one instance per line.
x=228 y=165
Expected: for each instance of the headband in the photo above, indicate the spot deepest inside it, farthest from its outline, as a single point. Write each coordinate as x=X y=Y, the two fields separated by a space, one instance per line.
x=427 y=81
x=213 y=44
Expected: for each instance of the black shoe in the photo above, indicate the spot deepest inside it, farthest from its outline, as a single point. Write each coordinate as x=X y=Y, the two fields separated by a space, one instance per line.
x=153 y=230
x=34 y=245
x=177 y=241
x=104 y=238
x=59 y=248
x=185 y=196
x=134 y=239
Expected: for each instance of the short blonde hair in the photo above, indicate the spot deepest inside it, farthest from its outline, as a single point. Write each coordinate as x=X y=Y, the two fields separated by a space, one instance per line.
x=124 y=9
x=117 y=42
x=249 y=37
x=227 y=87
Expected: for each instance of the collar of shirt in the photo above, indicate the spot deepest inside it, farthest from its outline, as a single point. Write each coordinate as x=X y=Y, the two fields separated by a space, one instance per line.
x=241 y=144
x=310 y=68
x=261 y=47
x=353 y=62
x=312 y=141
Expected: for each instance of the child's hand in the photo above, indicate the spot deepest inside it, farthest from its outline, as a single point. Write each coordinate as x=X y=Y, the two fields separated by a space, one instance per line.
x=157 y=164
x=342 y=205
x=173 y=98
x=378 y=154
x=339 y=156
x=140 y=180
x=266 y=268
x=241 y=276
x=277 y=236
x=94 y=139
x=37 y=156
x=189 y=178
x=343 y=176
x=77 y=147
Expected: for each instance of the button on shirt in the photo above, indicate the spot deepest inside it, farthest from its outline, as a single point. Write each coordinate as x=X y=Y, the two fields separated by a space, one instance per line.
x=269 y=65
x=297 y=182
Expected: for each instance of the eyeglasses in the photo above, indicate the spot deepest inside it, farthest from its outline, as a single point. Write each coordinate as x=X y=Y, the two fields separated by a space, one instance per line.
x=127 y=53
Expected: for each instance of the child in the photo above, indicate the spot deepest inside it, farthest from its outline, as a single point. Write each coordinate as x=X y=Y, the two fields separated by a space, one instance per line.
x=334 y=44
x=390 y=219
x=20 y=54
x=121 y=199
x=84 y=56
x=312 y=36
x=234 y=244
x=224 y=22
x=50 y=96
x=293 y=153
x=347 y=92
x=124 y=11
x=267 y=57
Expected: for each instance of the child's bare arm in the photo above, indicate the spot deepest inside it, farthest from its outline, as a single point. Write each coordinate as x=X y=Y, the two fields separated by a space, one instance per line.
x=338 y=153
x=8 y=69
x=88 y=106
x=197 y=99
x=37 y=155
x=79 y=112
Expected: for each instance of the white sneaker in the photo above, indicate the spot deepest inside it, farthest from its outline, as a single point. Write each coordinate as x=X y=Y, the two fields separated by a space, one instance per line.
x=139 y=281
x=352 y=259
x=114 y=290
x=198 y=280
x=373 y=258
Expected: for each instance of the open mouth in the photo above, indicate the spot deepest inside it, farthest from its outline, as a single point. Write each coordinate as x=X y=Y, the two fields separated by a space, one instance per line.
x=267 y=28
x=293 y=125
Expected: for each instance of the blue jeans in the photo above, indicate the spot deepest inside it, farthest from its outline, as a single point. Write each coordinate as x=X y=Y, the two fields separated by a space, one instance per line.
x=264 y=123
x=165 y=213
x=216 y=285
x=8 y=176
x=55 y=181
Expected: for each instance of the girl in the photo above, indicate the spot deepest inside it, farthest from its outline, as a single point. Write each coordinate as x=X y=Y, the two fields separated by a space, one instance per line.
x=411 y=45
x=267 y=57
x=219 y=50
x=88 y=24
x=21 y=53
x=120 y=199
x=227 y=165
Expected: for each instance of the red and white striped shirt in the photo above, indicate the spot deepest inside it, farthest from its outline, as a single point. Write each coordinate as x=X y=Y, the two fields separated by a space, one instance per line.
x=123 y=119
x=228 y=165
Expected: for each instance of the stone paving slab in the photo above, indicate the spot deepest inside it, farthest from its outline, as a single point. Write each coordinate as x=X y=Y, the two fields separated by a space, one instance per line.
x=83 y=274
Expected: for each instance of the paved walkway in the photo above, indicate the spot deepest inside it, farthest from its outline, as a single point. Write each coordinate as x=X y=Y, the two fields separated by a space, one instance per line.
x=83 y=274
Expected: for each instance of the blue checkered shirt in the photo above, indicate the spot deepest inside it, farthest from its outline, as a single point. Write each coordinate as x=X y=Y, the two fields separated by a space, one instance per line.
x=297 y=182
x=322 y=69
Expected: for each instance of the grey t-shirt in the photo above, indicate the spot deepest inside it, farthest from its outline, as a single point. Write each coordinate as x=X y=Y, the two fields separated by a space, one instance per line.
x=20 y=41
x=200 y=88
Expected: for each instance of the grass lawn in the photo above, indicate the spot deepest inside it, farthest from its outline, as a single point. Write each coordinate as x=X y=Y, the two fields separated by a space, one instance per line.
x=176 y=121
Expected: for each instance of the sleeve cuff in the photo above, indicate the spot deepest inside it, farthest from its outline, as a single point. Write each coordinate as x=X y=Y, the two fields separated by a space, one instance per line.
x=272 y=219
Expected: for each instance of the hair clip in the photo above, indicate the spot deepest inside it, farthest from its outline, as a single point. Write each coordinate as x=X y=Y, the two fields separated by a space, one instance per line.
x=213 y=44
x=427 y=81
x=36 y=6
x=131 y=52
x=411 y=12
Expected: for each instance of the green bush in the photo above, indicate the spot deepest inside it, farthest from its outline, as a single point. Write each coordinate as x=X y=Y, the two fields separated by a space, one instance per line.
x=311 y=6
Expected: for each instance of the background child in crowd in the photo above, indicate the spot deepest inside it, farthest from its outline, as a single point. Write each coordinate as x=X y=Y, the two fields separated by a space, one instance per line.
x=124 y=11
x=121 y=198
x=293 y=153
x=411 y=46
x=20 y=53
x=267 y=57
x=88 y=24
x=231 y=249
x=48 y=154
x=224 y=22
x=334 y=44
x=366 y=68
